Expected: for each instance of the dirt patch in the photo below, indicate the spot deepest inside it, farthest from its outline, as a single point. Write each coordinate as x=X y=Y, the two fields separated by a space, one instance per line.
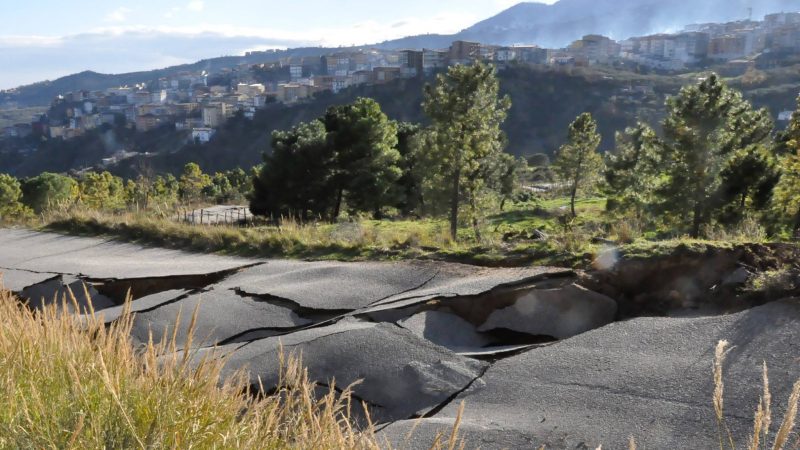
x=713 y=279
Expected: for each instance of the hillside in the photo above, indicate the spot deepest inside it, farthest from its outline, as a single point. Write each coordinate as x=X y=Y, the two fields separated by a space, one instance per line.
x=552 y=26
x=545 y=101
x=557 y=25
x=42 y=93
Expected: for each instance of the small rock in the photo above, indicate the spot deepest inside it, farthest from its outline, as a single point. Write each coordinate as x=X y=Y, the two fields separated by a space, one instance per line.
x=739 y=277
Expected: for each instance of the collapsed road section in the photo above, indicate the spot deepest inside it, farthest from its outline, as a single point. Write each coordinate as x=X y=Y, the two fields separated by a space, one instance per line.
x=540 y=356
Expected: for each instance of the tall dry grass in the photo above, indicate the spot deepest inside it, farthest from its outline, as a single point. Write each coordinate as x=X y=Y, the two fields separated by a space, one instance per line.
x=73 y=384
x=761 y=438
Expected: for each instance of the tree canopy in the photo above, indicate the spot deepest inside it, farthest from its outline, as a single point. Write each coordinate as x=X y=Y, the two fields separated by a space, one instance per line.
x=49 y=190
x=712 y=136
x=578 y=164
x=11 y=206
x=466 y=111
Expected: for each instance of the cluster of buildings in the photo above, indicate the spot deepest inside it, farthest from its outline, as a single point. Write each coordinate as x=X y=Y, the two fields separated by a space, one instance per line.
x=199 y=104
x=304 y=77
x=697 y=44
x=777 y=33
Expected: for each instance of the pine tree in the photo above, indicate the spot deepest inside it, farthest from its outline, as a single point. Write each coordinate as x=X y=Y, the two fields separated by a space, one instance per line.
x=710 y=131
x=366 y=158
x=409 y=197
x=296 y=179
x=632 y=170
x=577 y=163
x=11 y=206
x=102 y=191
x=192 y=182
x=786 y=198
x=49 y=190
x=466 y=112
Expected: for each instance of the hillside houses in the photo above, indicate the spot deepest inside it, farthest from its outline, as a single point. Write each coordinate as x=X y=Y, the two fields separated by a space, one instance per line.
x=196 y=102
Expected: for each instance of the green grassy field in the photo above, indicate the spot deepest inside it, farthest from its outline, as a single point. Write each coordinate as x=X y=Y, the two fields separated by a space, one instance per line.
x=540 y=232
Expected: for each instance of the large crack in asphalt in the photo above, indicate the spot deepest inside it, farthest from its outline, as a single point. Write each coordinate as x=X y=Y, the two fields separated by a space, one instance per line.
x=436 y=410
x=119 y=288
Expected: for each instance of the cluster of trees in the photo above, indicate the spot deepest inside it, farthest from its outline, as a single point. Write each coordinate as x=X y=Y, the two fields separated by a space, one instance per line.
x=104 y=191
x=355 y=159
x=716 y=161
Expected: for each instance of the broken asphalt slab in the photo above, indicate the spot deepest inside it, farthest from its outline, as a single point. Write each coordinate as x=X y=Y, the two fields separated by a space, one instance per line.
x=560 y=313
x=649 y=378
x=222 y=316
x=17 y=280
x=352 y=286
x=460 y=281
x=400 y=374
x=332 y=285
x=61 y=290
x=96 y=258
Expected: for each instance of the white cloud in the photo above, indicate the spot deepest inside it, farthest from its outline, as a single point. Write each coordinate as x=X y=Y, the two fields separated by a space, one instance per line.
x=30 y=59
x=196 y=5
x=122 y=48
x=118 y=15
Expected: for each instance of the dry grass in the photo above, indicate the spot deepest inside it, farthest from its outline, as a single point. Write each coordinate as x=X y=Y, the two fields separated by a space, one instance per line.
x=760 y=439
x=71 y=384
x=349 y=240
x=749 y=229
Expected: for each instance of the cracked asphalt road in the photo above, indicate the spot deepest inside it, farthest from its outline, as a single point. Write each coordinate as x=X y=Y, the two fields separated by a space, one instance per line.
x=411 y=332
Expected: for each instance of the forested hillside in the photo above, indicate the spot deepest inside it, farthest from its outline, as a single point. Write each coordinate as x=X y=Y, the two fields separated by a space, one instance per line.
x=545 y=101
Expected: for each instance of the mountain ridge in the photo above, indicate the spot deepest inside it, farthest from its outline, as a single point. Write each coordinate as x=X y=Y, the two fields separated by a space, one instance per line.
x=551 y=26
x=556 y=25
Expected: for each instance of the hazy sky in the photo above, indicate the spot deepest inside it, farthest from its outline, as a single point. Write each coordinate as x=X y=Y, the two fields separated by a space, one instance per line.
x=44 y=39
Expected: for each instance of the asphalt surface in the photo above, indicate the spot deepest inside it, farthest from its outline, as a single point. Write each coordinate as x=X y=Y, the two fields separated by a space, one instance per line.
x=97 y=258
x=420 y=338
x=647 y=378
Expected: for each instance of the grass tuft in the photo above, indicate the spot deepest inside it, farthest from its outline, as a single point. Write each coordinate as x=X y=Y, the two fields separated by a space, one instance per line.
x=763 y=415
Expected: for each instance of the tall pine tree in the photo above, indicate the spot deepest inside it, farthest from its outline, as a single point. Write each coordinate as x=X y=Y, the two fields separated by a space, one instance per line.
x=632 y=171
x=710 y=134
x=366 y=162
x=466 y=111
x=577 y=163
x=787 y=192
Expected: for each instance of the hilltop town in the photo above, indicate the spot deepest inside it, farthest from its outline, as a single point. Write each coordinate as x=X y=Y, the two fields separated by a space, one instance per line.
x=200 y=102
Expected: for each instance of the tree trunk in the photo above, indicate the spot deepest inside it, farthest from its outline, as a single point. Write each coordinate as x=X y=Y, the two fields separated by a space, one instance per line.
x=697 y=221
x=473 y=213
x=338 y=208
x=573 y=194
x=502 y=204
x=454 y=202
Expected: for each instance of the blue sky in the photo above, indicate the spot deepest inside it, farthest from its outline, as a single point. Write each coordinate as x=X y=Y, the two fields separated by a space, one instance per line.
x=44 y=39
